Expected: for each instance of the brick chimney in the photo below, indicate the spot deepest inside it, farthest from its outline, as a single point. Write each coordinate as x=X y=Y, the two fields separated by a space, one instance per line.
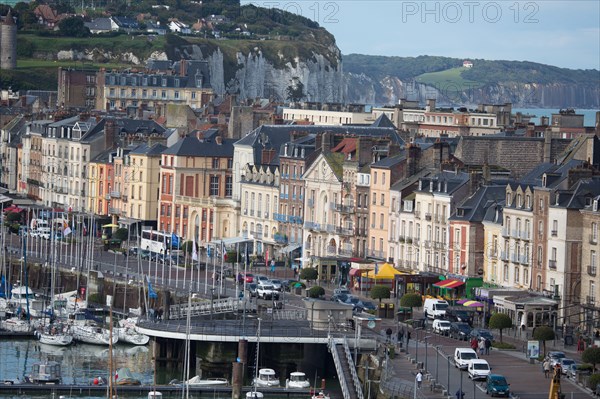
x=414 y=154
x=474 y=182
x=110 y=133
x=365 y=150
x=267 y=156
x=183 y=67
x=579 y=173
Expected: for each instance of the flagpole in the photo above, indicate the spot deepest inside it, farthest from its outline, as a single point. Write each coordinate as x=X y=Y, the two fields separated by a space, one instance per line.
x=206 y=271
x=223 y=254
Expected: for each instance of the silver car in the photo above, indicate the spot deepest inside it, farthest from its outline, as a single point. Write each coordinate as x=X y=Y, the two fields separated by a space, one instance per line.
x=276 y=285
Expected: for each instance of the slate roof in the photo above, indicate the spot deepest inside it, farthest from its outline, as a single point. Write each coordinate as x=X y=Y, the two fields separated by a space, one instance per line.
x=475 y=207
x=383 y=121
x=453 y=182
x=191 y=146
x=494 y=212
x=98 y=24
x=144 y=149
x=388 y=162
x=126 y=126
x=159 y=65
x=126 y=22
x=582 y=194
x=197 y=76
x=277 y=135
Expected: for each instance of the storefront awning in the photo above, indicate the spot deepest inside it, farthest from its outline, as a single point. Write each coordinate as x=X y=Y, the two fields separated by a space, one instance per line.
x=449 y=283
x=355 y=271
x=291 y=247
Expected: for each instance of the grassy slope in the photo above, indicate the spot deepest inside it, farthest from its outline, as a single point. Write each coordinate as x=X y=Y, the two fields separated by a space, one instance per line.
x=448 y=78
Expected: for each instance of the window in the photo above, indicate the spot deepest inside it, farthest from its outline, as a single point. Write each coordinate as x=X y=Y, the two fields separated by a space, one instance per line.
x=382 y=199
x=505 y=273
x=527 y=201
x=373 y=220
x=594 y=235
x=517 y=275
x=374 y=198
x=214 y=185
x=508 y=198
x=375 y=178
x=554 y=228
x=229 y=186
x=541 y=229
x=525 y=277
x=383 y=178
x=381 y=221
x=215 y=163
x=541 y=204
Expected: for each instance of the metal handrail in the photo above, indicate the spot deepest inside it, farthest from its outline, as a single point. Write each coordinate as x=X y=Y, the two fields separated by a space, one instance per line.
x=355 y=379
x=340 y=370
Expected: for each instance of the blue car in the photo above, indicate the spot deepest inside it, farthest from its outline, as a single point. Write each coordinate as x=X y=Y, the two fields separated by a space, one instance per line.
x=496 y=385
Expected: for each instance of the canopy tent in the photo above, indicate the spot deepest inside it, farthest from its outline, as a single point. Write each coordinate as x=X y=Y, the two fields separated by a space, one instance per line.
x=473 y=304
x=449 y=283
x=385 y=272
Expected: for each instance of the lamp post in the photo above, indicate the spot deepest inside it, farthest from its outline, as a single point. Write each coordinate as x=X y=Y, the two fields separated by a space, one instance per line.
x=417 y=344
x=437 y=362
x=212 y=301
x=448 y=382
x=426 y=338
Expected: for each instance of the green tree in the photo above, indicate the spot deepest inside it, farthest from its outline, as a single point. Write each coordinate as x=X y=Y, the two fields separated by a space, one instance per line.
x=380 y=292
x=73 y=27
x=411 y=300
x=12 y=217
x=187 y=247
x=309 y=274
x=543 y=333
x=316 y=292
x=295 y=91
x=122 y=234
x=500 y=321
x=591 y=355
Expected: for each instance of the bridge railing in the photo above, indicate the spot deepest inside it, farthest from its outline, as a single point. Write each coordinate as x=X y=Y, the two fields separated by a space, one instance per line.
x=338 y=366
x=355 y=379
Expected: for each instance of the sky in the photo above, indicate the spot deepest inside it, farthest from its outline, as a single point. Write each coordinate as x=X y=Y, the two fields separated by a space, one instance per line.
x=561 y=33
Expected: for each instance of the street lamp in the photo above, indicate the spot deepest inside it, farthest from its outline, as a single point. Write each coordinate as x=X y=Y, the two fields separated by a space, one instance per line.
x=426 y=338
x=417 y=344
x=437 y=362
x=448 y=382
x=212 y=301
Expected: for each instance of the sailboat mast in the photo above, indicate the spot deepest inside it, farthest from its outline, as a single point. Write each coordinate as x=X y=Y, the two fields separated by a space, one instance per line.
x=257 y=355
x=25 y=267
x=110 y=355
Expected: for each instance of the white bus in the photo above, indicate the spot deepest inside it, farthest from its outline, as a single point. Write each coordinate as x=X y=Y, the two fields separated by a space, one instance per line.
x=159 y=242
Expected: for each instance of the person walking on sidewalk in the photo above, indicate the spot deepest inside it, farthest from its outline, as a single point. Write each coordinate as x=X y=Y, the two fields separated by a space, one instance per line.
x=419 y=379
x=481 y=346
x=547 y=368
x=474 y=344
x=488 y=345
x=388 y=334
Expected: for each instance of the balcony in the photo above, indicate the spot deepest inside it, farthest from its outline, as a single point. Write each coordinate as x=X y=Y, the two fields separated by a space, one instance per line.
x=343 y=208
x=346 y=251
x=106 y=197
x=114 y=211
x=554 y=233
x=590 y=300
x=376 y=253
x=523 y=235
x=428 y=217
x=505 y=232
x=416 y=241
x=524 y=260
x=344 y=231
x=115 y=194
x=312 y=226
x=417 y=214
x=310 y=203
x=492 y=254
x=280 y=238
x=593 y=239
x=552 y=264
x=591 y=270
x=514 y=258
x=427 y=244
x=361 y=232
x=331 y=250
x=504 y=256
x=439 y=245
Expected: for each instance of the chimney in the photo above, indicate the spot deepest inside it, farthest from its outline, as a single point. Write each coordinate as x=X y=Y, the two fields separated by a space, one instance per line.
x=486 y=174
x=110 y=133
x=430 y=107
x=577 y=174
x=267 y=156
x=393 y=149
x=364 y=148
x=414 y=154
x=326 y=141
x=474 y=182
x=183 y=67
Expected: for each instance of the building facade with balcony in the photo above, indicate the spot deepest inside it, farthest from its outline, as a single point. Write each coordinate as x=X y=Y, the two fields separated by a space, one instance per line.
x=101 y=183
x=258 y=218
x=435 y=200
x=148 y=90
x=565 y=243
x=590 y=257
x=517 y=234
x=197 y=174
x=467 y=238
x=495 y=271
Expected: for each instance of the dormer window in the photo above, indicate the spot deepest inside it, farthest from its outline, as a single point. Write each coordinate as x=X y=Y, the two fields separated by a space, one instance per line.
x=519 y=201
x=460 y=212
x=595 y=206
x=528 y=201
x=508 y=198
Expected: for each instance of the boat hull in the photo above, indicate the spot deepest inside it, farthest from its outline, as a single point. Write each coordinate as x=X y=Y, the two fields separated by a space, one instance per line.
x=16 y=325
x=93 y=335
x=130 y=336
x=56 y=340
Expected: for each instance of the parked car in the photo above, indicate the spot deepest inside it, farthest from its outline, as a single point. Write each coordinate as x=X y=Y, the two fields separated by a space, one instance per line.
x=289 y=285
x=565 y=364
x=481 y=333
x=264 y=290
x=463 y=356
x=341 y=291
x=460 y=331
x=441 y=326
x=251 y=288
x=249 y=278
x=341 y=298
x=555 y=357
x=459 y=315
x=478 y=369
x=496 y=385
x=276 y=285
x=261 y=278
x=133 y=251
x=572 y=371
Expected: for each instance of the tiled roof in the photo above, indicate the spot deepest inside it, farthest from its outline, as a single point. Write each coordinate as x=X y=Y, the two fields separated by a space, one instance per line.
x=475 y=207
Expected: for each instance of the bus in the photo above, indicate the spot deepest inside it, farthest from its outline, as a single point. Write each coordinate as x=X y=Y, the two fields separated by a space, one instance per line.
x=159 y=242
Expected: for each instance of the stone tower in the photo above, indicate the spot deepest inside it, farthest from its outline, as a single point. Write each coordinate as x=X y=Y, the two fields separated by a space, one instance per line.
x=8 y=43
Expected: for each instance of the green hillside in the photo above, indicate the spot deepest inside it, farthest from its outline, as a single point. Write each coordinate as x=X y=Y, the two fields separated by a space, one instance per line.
x=453 y=77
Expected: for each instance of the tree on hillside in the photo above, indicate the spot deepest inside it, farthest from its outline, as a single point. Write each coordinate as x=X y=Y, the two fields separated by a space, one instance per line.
x=73 y=27
x=500 y=321
x=591 y=355
x=380 y=292
x=543 y=333
x=295 y=91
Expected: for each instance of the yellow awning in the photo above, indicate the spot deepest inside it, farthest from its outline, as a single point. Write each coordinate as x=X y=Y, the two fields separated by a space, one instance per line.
x=386 y=272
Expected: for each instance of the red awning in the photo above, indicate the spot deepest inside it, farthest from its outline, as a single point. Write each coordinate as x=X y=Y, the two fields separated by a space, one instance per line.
x=449 y=283
x=354 y=272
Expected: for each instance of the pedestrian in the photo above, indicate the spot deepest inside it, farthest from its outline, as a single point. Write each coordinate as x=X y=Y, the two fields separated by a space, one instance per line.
x=580 y=345
x=481 y=346
x=547 y=368
x=474 y=344
x=407 y=338
x=460 y=394
x=388 y=334
x=400 y=335
x=488 y=345
x=419 y=379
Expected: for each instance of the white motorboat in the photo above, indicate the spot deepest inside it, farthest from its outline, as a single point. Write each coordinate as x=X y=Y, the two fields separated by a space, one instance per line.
x=71 y=300
x=91 y=334
x=47 y=372
x=266 y=378
x=254 y=395
x=155 y=395
x=17 y=325
x=22 y=297
x=131 y=336
x=297 y=380
x=320 y=395
x=197 y=381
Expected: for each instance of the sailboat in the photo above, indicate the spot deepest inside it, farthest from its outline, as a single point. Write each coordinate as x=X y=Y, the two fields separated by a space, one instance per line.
x=55 y=334
x=87 y=331
x=254 y=394
x=127 y=332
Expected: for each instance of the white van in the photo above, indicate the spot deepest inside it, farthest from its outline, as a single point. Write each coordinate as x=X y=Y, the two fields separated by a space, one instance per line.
x=478 y=369
x=435 y=308
x=463 y=356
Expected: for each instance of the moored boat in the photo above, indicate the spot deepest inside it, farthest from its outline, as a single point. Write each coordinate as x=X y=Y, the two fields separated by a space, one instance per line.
x=16 y=325
x=55 y=334
x=131 y=336
x=197 y=381
x=95 y=335
x=125 y=377
x=297 y=380
x=266 y=378
x=47 y=372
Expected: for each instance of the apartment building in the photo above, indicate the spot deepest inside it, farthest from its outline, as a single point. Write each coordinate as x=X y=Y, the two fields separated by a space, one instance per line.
x=101 y=180
x=32 y=158
x=435 y=201
x=590 y=252
x=495 y=271
x=77 y=88
x=196 y=180
x=260 y=195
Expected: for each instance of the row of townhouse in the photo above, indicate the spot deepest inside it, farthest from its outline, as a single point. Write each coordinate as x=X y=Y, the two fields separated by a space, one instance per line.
x=328 y=194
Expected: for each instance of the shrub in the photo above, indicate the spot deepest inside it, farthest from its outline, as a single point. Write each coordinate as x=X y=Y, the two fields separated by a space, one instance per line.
x=380 y=292
x=316 y=292
x=411 y=300
x=593 y=381
x=500 y=321
x=591 y=355
x=543 y=333
x=122 y=234
x=309 y=274
x=502 y=345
